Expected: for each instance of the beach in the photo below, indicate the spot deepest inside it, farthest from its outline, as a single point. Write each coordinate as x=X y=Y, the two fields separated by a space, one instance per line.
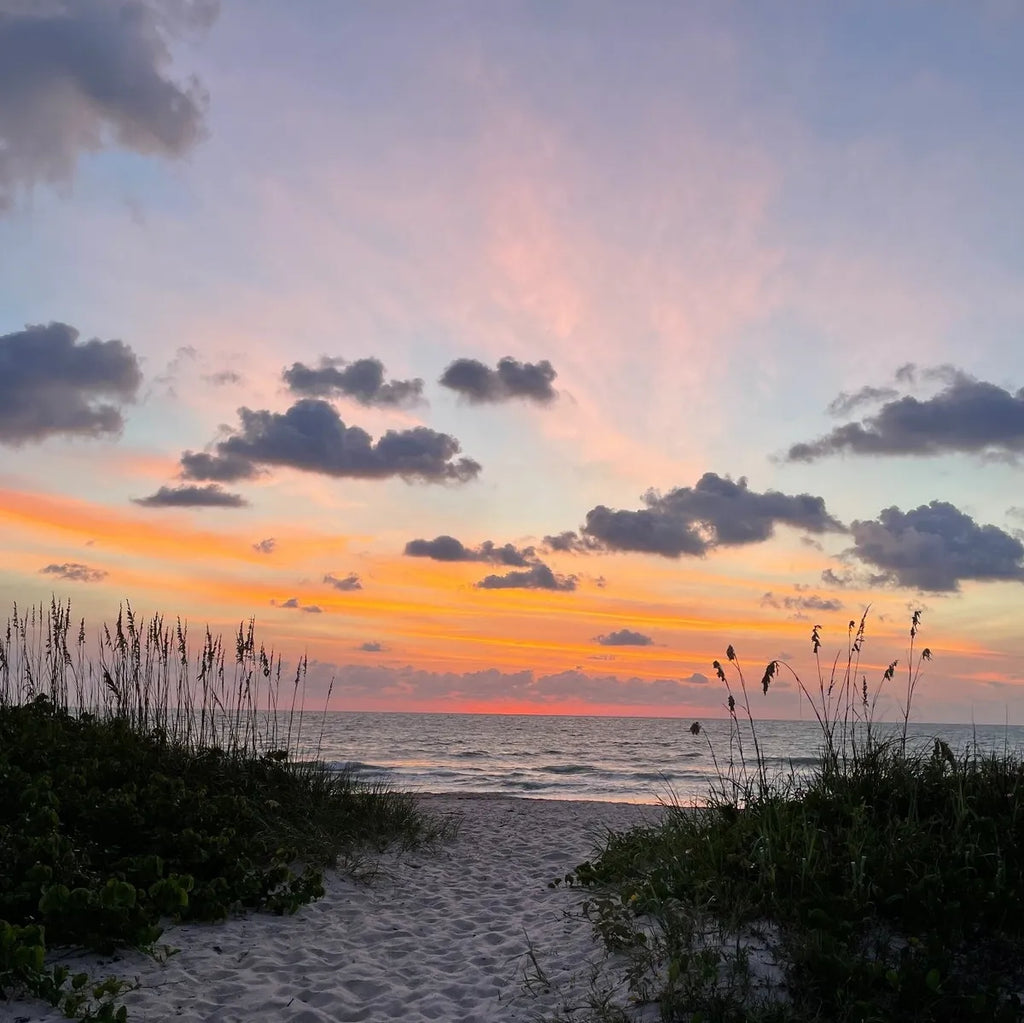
x=467 y=931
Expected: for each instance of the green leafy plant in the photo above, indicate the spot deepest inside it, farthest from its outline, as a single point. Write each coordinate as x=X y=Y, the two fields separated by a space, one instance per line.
x=145 y=784
x=887 y=884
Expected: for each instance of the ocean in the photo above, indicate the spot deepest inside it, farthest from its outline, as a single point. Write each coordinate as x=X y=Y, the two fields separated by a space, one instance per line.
x=611 y=759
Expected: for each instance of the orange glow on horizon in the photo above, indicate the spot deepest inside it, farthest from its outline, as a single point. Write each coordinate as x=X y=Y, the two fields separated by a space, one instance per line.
x=163 y=533
x=434 y=616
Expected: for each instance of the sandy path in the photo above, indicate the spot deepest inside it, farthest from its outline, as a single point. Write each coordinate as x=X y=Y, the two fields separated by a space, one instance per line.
x=439 y=935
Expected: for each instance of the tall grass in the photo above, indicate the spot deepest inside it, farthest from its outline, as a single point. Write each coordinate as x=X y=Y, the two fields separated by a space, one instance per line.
x=151 y=676
x=142 y=780
x=887 y=885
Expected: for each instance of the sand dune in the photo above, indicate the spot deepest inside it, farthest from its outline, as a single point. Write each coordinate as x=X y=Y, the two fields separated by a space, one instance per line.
x=439 y=935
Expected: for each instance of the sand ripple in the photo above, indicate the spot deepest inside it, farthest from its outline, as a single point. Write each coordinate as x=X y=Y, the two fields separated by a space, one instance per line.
x=439 y=935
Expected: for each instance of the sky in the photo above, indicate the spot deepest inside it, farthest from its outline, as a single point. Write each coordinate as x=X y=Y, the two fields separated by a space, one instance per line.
x=523 y=356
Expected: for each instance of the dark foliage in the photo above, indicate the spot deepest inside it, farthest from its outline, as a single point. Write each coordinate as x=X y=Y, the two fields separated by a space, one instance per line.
x=116 y=820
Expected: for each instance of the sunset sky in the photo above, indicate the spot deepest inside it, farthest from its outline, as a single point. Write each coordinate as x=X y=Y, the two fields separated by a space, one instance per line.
x=517 y=355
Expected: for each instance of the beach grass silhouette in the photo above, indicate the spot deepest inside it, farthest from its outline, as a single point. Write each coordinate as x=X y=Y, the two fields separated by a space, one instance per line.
x=147 y=780
x=143 y=782
x=886 y=885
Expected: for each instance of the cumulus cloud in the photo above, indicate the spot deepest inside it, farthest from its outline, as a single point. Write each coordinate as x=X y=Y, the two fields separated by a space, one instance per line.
x=717 y=512
x=267 y=546
x=200 y=465
x=51 y=384
x=506 y=554
x=571 y=542
x=624 y=637
x=294 y=604
x=371 y=647
x=441 y=548
x=968 y=416
x=210 y=496
x=448 y=548
x=75 y=572
x=537 y=577
x=312 y=437
x=362 y=380
x=347 y=584
x=935 y=547
x=480 y=384
x=78 y=76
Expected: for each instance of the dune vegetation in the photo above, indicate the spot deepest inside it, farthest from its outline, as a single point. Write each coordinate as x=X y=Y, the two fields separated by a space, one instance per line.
x=887 y=885
x=143 y=782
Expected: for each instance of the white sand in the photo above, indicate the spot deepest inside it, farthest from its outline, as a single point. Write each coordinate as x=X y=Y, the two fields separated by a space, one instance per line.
x=441 y=934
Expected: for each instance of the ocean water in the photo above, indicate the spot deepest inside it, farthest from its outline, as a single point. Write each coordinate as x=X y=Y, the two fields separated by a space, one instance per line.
x=616 y=759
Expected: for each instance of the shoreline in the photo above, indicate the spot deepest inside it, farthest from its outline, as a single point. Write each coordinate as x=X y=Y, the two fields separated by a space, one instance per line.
x=441 y=933
x=526 y=797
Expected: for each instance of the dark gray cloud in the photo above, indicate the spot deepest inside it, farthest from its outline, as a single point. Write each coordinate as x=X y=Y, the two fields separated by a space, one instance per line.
x=935 y=547
x=571 y=542
x=265 y=546
x=441 y=548
x=447 y=548
x=75 y=572
x=200 y=465
x=347 y=584
x=537 y=577
x=294 y=604
x=210 y=496
x=512 y=379
x=967 y=415
x=717 y=512
x=77 y=76
x=362 y=380
x=507 y=554
x=51 y=384
x=843 y=404
x=809 y=603
x=312 y=437
x=371 y=647
x=624 y=637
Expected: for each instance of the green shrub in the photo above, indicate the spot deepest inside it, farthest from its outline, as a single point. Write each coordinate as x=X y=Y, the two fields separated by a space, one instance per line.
x=889 y=885
x=147 y=789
